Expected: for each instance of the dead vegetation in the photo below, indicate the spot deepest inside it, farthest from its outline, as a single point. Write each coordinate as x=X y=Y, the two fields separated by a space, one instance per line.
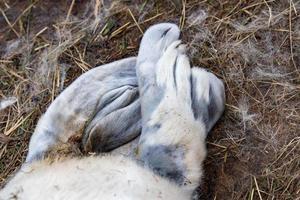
x=253 y=45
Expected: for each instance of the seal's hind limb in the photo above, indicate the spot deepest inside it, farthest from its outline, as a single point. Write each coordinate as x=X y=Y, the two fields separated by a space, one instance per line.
x=179 y=106
x=109 y=130
x=96 y=95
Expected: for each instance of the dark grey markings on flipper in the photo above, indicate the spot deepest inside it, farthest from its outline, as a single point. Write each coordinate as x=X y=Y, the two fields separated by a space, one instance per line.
x=212 y=106
x=174 y=73
x=209 y=111
x=199 y=106
x=166 y=161
x=165 y=32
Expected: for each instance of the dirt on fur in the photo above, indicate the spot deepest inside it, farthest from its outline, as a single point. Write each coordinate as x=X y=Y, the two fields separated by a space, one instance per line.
x=252 y=45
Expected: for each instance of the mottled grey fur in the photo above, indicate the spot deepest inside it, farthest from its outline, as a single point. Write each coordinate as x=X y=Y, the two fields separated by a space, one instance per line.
x=166 y=161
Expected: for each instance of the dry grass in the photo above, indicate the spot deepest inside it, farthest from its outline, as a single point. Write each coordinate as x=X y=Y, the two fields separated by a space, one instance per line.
x=253 y=45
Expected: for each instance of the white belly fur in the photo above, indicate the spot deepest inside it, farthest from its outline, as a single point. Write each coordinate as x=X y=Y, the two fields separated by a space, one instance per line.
x=106 y=177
